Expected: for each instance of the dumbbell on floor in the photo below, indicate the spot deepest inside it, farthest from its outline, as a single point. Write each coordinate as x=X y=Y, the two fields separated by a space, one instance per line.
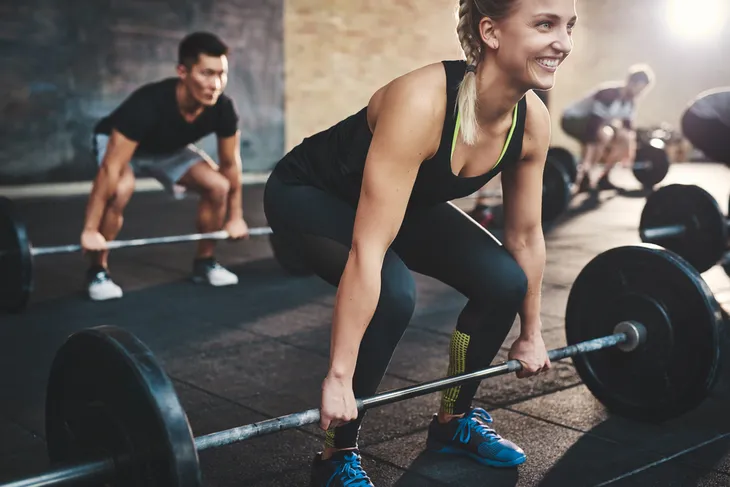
x=17 y=253
x=687 y=220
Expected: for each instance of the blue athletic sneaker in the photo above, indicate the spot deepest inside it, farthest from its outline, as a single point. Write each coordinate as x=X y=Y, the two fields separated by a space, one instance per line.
x=472 y=437
x=342 y=469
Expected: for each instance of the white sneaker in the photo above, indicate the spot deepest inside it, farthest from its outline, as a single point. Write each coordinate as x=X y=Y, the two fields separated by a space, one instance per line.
x=208 y=271
x=101 y=287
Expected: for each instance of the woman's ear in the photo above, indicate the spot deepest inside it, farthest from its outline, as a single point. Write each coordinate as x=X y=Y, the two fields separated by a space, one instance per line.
x=488 y=33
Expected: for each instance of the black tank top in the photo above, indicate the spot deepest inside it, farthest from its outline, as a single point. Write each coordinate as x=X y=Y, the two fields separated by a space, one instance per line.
x=333 y=160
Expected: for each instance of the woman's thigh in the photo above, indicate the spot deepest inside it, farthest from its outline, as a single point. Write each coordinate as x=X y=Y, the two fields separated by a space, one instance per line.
x=444 y=243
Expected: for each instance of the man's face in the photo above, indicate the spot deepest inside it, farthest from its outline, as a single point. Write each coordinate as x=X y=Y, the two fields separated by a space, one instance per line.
x=206 y=79
x=634 y=88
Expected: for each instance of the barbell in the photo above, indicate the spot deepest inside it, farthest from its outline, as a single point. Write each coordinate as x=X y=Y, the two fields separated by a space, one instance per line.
x=650 y=167
x=686 y=219
x=642 y=328
x=17 y=254
x=566 y=160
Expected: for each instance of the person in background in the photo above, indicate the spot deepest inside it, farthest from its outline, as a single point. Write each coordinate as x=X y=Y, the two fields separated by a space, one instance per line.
x=152 y=133
x=603 y=123
x=368 y=200
x=706 y=123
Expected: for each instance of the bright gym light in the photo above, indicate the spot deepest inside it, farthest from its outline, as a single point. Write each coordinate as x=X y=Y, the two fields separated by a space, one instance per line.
x=697 y=19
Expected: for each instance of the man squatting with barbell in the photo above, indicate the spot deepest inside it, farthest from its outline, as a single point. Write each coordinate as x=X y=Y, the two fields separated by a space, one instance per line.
x=152 y=134
x=602 y=122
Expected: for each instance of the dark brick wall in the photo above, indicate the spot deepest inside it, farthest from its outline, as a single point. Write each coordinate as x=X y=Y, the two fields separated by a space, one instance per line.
x=66 y=63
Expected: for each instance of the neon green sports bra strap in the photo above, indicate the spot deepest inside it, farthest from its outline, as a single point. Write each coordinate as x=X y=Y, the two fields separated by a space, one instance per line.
x=509 y=136
x=506 y=144
x=457 y=126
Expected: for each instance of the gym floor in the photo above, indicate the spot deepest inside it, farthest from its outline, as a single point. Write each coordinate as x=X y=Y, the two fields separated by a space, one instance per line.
x=260 y=349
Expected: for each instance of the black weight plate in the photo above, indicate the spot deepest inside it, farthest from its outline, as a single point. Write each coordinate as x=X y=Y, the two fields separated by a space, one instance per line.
x=705 y=240
x=287 y=258
x=108 y=397
x=676 y=368
x=651 y=165
x=16 y=263
x=565 y=158
x=555 y=191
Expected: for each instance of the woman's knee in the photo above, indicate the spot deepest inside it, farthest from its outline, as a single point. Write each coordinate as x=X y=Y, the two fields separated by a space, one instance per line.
x=514 y=287
x=504 y=284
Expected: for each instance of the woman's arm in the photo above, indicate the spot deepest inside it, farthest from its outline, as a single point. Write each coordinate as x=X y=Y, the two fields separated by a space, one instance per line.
x=406 y=133
x=522 y=195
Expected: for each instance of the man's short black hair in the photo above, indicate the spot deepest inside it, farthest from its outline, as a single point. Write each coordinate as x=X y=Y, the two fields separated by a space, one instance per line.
x=199 y=43
x=641 y=73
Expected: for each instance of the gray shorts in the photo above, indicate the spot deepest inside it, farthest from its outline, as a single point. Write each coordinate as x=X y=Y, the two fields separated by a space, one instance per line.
x=165 y=168
x=576 y=128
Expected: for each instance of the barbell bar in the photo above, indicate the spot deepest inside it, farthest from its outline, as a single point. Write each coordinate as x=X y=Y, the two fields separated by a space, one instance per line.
x=143 y=242
x=17 y=253
x=112 y=412
x=686 y=219
x=628 y=337
x=643 y=165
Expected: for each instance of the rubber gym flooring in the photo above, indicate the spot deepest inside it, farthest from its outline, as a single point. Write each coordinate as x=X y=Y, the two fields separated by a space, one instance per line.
x=260 y=349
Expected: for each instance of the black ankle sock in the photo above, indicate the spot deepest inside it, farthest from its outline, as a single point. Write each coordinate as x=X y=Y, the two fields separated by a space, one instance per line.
x=95 y=269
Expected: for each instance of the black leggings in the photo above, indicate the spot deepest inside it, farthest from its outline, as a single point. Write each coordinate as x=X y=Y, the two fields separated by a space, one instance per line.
x=708 y=135
x=441 y=242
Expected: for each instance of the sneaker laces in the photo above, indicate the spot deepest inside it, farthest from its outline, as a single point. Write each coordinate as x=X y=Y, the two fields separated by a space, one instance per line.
x=475 y=421
x=350 y=472
x=99 y=277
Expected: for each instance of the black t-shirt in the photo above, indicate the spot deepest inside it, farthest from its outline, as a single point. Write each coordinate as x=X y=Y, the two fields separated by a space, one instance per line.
x=151 y=117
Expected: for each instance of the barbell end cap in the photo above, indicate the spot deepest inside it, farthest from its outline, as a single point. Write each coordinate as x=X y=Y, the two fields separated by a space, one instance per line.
x=635 y=335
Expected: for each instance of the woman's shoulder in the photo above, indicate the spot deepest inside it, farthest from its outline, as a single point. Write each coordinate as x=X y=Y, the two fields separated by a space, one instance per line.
x=537 y=120
x=424 y=86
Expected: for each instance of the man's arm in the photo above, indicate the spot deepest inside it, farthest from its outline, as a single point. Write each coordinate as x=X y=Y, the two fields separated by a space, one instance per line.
x=229 y=155
x=119 y=152
x=600 y=113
